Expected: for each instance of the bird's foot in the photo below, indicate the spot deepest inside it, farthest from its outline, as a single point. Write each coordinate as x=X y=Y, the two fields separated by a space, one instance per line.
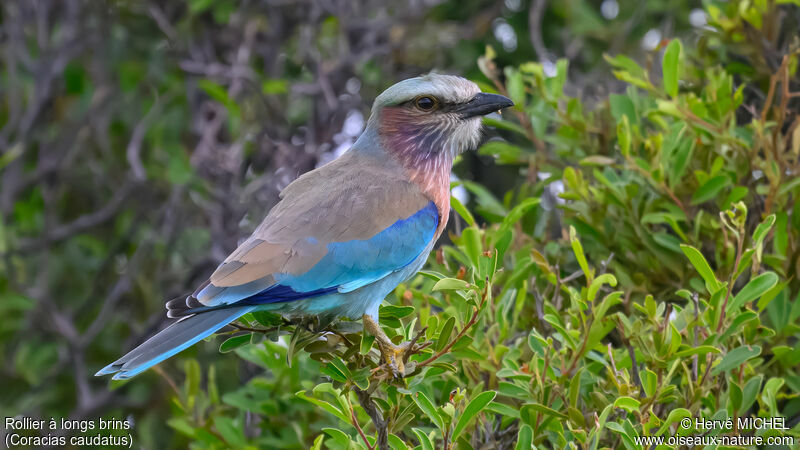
x=395 y=357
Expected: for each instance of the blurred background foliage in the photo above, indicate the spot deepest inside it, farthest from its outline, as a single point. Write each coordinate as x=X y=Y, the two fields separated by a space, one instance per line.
x=139 y=141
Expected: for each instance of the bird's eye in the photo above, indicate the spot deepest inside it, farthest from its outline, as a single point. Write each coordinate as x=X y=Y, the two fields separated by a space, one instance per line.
x=426 y=103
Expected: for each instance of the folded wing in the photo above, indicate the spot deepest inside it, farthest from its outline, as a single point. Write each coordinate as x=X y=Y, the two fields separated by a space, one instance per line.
x=342 y=227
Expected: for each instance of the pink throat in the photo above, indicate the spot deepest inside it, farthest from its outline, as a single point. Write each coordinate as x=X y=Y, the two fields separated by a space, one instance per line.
x=419 y=147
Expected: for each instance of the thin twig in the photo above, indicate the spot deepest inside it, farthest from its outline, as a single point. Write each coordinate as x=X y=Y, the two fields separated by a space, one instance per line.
x=354 y=419
x=365 y=399
x=467 y=326
x=169 y=379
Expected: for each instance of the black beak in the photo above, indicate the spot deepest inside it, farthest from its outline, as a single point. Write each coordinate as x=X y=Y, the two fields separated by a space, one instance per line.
x=483 y=104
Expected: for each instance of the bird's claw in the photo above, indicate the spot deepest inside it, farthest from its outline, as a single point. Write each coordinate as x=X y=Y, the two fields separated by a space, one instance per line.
x=396 y=356
x=393 y=357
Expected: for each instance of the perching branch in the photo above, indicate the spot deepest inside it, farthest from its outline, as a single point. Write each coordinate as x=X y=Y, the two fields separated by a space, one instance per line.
x=365 y=399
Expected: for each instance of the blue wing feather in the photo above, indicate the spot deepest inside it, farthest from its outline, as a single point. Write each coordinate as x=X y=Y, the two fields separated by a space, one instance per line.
x=353 y=264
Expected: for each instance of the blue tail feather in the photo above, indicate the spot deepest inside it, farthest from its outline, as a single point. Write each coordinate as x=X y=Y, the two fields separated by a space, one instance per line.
x=173 y=339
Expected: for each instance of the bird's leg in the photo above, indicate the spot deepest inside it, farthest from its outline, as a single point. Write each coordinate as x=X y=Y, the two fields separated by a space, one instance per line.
x=394 y=355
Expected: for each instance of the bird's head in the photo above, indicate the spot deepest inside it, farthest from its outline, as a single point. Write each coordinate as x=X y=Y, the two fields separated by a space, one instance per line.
x=432 y=117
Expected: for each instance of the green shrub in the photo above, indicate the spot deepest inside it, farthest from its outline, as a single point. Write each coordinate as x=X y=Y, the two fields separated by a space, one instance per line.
x=660 y=284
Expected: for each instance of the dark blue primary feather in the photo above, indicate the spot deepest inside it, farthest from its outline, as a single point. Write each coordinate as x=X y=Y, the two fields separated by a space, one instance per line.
x=279 y=293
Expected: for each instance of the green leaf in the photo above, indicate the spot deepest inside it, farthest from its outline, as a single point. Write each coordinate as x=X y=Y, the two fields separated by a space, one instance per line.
x=735 y=358
x=596 y=160
x=674 y=417
x=183 y=426
x=710 y=189
x=750 y=391
x=424 y=440
x=366 y=343
x=670 y=65
x=627 y=64
x=735 y=395
x=231 y=344
x=179 y=169
x=502 y=151
x=475 y=406
x=275 y=86
x=754 y=289
x=444 y=335
x=629 y=404
x=699 y=350
x=192 y=382
x=231 y=432
x=607 y=302
x=667 y=241
x=517 y=212
x=575 y=388
x=267 y=319
x=770 y=394
x=701 y=265
x=462 y=211
x=556 y=323
x=624 y=136
x=505 y=125
x=561 y=77
x=334 y=371
x=624 y=434
x=450 y=284
x=396 y=443
x=339 y=436
x=649 y=382
x=577 y=248
x=763 y=228
x=213 y=389
x=397 y=312
x=736 y=325
x=218 y=93
x=471 y=242
x=488 y=206
x=536 y=342
x=324 y=405
x=622 y=107
x=680 y=160
x=515 y=85
x=503 y=409
x=198 y=6
x=340 y=367
x=538 y=407
x=598 y=282
x=524 y=438
x=425 y=405
x=758 y=236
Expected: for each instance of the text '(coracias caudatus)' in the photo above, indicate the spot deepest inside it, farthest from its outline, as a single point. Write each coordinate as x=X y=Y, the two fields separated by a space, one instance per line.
x=345 y=235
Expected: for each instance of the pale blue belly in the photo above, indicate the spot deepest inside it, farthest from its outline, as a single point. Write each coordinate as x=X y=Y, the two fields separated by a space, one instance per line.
x=353 y=304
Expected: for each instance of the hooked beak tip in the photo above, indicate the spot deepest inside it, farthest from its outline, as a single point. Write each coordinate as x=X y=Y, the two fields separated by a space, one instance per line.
x=484 y=103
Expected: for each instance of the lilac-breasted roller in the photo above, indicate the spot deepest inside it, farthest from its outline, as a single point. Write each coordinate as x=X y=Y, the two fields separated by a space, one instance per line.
x=345 y=235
